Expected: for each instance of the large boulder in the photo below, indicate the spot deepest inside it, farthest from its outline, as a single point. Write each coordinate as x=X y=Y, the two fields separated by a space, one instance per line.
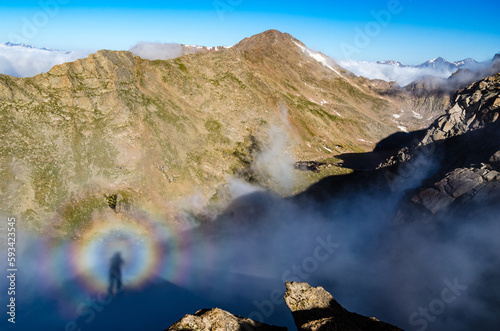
x=220 y=320
x=313 y=309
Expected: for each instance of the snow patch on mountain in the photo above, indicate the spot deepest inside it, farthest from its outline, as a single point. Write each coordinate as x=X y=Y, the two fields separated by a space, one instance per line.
x=403 y=128
x=417 y=115
x=323 y=60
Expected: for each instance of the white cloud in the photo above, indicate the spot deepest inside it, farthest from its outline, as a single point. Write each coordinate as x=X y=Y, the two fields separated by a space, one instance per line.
x=157 y=51
x=27 y=61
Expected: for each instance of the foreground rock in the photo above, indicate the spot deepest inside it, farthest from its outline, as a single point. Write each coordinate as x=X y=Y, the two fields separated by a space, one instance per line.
x=313 y=308
x=220 y=320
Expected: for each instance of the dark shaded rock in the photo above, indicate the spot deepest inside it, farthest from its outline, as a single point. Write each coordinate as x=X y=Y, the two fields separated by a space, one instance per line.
x=220 y=320
x=313 y=308
x=495 y=160
x=460 y=192
x=433 y=200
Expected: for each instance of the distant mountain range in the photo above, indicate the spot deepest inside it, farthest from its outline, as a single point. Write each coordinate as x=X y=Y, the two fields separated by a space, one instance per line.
x=435 y=63
x=22 y=60
x=403 y=74
x=438 y=63
x=9 y=44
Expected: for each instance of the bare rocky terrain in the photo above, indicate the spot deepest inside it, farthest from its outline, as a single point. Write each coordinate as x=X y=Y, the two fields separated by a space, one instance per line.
x=156 y=135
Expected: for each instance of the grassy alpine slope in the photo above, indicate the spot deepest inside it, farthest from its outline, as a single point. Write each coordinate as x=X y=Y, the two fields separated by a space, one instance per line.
x=153 y=134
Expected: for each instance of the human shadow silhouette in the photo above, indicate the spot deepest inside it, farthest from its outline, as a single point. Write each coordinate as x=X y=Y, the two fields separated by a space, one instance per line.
x=115 y=273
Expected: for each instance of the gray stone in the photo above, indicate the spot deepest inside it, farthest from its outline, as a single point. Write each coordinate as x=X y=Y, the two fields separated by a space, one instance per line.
x=220 y=320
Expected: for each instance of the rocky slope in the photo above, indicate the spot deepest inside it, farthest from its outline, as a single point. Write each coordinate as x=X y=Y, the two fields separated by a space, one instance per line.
x=454 y=163
x=113 y=131
x=426 y=213
x=466 y=143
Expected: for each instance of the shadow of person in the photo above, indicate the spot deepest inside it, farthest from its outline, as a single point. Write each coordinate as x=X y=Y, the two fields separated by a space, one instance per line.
x=115 y=273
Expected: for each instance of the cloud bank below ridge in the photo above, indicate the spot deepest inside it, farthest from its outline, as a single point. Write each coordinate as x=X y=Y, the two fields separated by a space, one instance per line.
x=20 y=60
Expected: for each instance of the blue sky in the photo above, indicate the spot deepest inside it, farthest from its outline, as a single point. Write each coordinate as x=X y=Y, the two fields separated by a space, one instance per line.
x=409 y=31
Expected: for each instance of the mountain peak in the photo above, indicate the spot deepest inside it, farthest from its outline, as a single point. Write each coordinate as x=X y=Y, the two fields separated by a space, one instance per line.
x=266 y=38
x=438 y=59
x=272 y=34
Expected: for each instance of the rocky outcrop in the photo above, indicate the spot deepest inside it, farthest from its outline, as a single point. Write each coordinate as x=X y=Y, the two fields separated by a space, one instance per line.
x=475 y=107
x=465 y=144
x=313 y=309
x=220 y=320
x=460 y=192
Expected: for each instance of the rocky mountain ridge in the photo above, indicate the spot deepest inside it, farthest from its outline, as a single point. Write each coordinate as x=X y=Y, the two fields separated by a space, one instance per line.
x=114 y=124
x=438 y=63
x=441 y=64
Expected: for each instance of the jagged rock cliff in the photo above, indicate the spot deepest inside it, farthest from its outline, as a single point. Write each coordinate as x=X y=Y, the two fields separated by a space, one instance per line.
x=315 y=309
x=465 y=144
